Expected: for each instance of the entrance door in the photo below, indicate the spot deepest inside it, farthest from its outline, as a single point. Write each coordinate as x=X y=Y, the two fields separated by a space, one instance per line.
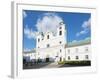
x=47 y=59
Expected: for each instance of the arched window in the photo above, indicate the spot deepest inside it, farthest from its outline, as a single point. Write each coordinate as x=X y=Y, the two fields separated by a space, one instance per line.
x=47 y=36
x=60 y=27
x=60 y=42
x=60 y=50
x=60 y=32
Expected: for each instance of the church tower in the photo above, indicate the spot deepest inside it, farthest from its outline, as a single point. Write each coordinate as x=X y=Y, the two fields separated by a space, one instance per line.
x=62 y=38
x=62 y=32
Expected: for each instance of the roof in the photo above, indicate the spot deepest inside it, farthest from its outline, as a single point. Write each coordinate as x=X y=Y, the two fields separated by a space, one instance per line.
x=79 y=43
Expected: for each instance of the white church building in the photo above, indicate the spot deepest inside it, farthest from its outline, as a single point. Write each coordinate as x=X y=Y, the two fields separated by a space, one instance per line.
x=52 y=46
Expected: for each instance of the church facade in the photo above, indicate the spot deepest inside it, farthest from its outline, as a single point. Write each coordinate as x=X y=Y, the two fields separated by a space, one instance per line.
x=52 y=46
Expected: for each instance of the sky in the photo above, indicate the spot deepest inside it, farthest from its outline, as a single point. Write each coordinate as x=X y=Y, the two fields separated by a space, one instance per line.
x=78 y=25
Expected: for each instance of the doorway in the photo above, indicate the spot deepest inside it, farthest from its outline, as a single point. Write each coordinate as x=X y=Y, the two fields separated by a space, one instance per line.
x=47 y=59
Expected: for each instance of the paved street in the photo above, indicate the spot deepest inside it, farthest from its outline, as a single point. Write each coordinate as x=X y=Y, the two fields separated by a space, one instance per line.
x=42 y=65
x=52 y=65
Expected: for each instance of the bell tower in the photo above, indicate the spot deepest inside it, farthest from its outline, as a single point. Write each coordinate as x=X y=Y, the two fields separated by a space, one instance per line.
x=62 y=32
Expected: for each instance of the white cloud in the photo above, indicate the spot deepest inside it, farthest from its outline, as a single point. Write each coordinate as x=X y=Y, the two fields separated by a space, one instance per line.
x=30 y=34
x=27 y=49
x=24 y=14
x=74 y=41
x=87 y=24
x=85 y=27
x=81 y=32
x=49 y=22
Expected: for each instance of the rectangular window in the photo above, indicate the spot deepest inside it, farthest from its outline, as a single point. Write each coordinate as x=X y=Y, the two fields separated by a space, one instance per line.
x=77 y=57
x=86 y=57
x=60 y=32
x=48 y=45
x=68 y=57
x=38 y=40
x=60 y=50
x=86 y=49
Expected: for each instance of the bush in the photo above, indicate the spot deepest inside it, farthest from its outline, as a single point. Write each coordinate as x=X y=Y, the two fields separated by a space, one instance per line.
x=75 y=62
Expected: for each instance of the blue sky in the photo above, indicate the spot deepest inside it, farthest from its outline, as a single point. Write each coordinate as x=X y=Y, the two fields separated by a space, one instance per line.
x=78 y=25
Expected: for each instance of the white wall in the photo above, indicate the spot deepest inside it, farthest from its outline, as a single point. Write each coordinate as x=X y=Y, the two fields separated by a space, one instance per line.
x=79 y=51
x=5 y=43
x=54 y=44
